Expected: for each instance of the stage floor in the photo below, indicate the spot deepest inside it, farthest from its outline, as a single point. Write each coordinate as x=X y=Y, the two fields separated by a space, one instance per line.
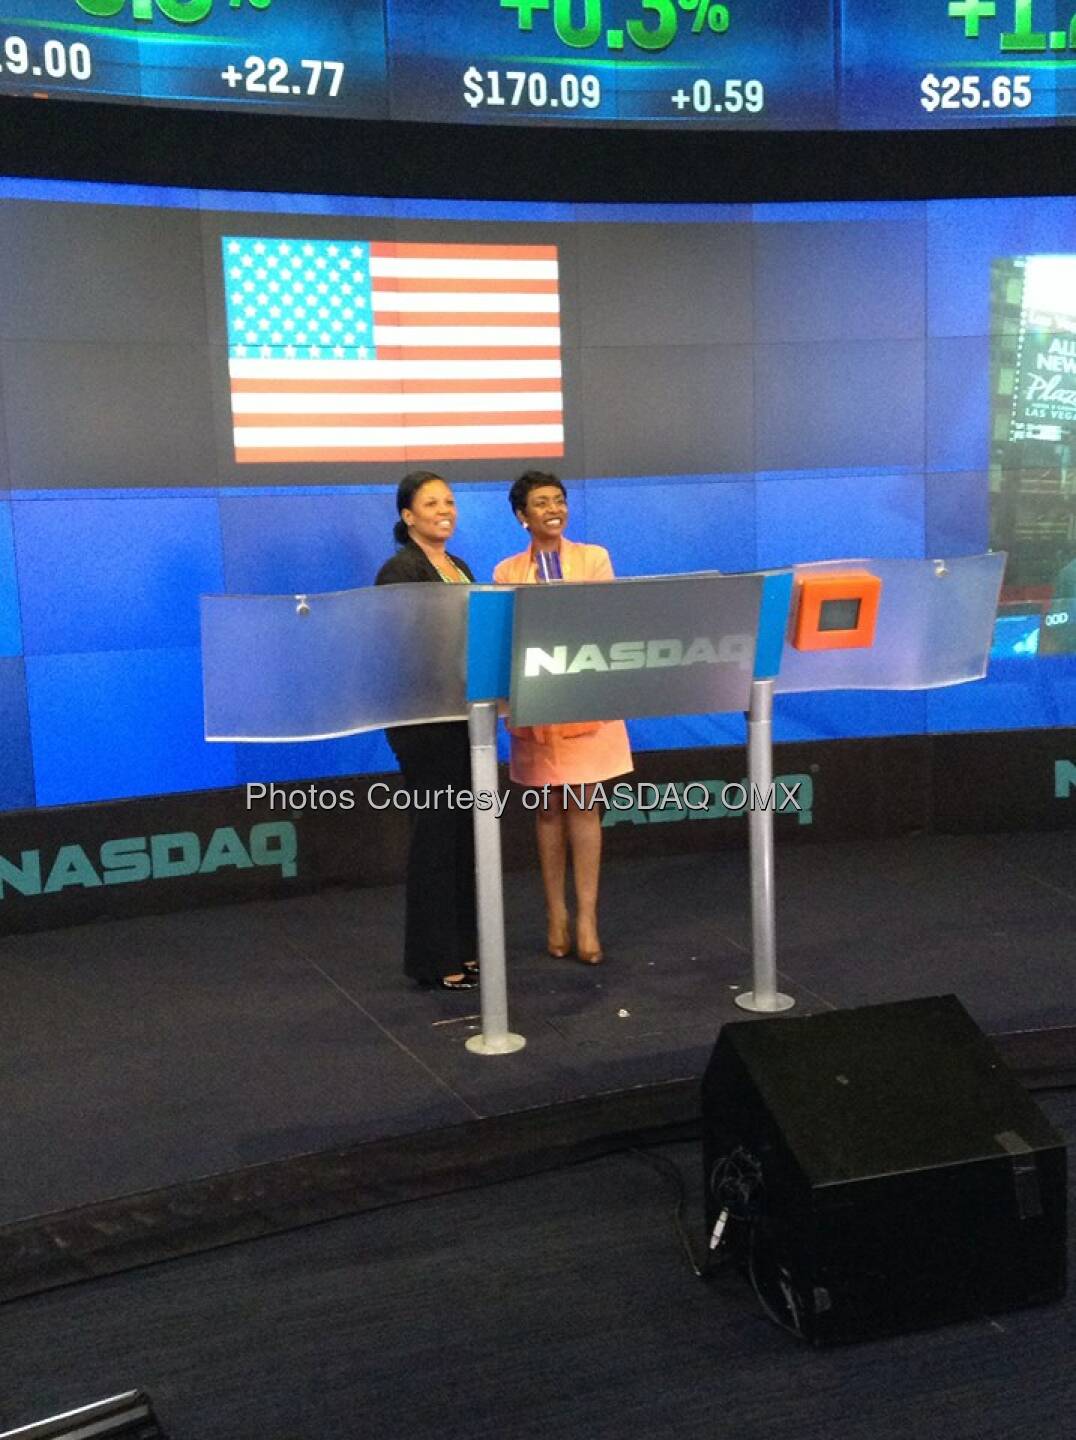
x=147 y=1053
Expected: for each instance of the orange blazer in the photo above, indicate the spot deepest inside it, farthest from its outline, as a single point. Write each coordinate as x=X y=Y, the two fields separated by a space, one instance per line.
x=577 y=562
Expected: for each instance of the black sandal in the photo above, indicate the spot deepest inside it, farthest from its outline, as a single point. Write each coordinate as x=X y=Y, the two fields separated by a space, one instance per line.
x=467 y=981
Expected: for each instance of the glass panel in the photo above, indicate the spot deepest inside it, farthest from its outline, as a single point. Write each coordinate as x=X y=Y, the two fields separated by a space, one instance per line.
x=935 y=624
x=286 y=667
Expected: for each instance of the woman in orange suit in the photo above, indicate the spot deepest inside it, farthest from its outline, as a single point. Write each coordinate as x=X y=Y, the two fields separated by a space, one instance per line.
x=559 y=755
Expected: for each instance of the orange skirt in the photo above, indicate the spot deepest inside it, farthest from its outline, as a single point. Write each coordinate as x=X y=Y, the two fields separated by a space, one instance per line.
x=562 y=759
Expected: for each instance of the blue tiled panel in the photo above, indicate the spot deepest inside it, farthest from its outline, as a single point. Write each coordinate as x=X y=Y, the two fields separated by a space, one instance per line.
x=834 y=517
x=838 y=714
x=504 y=745
x=487 y=530
x=260 y=203
x=664 y=526
x=839 y=404
x=16 y=761
x=676 y=732
x=82 y=192
x=115 y=574
x=313 y=542
x=958 y=513
x=964 y=237
x=643 y=214
x=528 y=211
x=126 y=723
x=82 y=273
x=829 y=212
x=122 y=414
x=10 y=626
x=305 y=543
x=1059 y=683
x=683 y=409
x=841 y=281
x=958 y=403
x=1015 y=695
x=317 y=759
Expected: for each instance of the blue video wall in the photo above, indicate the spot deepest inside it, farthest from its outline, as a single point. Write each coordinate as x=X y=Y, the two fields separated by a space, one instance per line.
x=733 y=387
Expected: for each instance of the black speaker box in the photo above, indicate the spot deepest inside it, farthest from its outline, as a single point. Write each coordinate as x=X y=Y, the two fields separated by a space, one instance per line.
x=881 y=1170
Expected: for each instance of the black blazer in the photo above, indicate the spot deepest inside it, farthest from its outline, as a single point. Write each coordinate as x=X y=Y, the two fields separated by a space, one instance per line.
x=411 y=563
x=442 y=744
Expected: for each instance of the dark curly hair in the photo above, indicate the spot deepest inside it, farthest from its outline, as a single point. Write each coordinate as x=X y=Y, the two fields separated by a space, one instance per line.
x=532 y=480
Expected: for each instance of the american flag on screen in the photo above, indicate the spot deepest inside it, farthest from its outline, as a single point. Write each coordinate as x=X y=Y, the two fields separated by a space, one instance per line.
x=351 y=350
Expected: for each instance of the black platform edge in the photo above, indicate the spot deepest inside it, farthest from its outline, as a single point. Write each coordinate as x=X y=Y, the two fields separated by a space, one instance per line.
x=1041 y=1059
x=107 y=1238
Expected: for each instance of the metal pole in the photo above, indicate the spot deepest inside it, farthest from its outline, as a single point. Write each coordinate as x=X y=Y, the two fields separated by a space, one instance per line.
x=764 y=996
x=496 y=1038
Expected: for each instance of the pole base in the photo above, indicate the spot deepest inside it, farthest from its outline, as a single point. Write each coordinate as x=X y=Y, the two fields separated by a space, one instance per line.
x=747 y=1001
x=505 y=1045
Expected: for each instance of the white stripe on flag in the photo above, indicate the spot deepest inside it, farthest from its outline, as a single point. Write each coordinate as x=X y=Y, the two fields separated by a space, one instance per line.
x=281 y=402
x=254 y=369
x=466 y=301
x=428 y=269
x=488 y=336
x=330 y=437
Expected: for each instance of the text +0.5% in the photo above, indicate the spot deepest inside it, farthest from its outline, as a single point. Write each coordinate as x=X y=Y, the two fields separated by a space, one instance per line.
x=580 y=23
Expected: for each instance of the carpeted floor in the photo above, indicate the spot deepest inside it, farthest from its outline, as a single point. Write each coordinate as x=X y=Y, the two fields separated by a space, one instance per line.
x=559 y=1305
x=144 y=1053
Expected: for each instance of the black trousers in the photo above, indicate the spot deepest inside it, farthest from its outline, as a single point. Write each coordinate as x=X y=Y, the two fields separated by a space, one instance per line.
x=440 y=928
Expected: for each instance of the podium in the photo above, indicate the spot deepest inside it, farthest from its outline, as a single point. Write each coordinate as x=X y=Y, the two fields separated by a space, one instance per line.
x=312 y=667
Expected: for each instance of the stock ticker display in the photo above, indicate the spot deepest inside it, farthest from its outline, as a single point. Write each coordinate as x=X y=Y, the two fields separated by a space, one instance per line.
x=744 y=64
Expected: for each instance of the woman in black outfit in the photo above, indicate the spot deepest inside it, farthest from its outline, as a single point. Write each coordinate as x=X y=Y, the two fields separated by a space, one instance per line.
x=440 y=942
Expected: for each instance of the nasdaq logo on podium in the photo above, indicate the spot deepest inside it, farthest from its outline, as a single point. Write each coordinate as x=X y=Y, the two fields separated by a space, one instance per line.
x=638 y=655
x=663 y=645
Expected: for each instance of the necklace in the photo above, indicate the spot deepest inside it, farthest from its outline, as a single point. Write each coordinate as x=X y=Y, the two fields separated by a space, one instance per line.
x=457 y=578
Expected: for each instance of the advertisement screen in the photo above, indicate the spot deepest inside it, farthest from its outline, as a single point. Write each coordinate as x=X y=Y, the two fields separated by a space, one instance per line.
x=1032 y=480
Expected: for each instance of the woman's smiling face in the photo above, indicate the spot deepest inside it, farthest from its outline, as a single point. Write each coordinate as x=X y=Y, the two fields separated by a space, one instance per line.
x=431 y=515
x=546 y=512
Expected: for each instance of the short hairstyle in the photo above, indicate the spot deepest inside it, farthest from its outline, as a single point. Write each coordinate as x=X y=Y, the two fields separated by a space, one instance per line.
x=532 y=480
x=406 y=491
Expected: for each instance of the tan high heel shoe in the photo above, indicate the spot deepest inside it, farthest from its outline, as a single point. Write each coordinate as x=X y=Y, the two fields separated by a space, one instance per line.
x=588 y=957
x=560 y=948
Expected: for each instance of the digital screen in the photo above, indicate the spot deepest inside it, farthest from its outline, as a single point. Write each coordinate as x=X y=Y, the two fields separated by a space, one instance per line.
x=1033 y=444
x=219 y=391
x=839 y=614
x=1058 y=635
x=1016 y=636
x=359 y=350
x=1024 y=631
x=744 y=64
x=754 y=63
